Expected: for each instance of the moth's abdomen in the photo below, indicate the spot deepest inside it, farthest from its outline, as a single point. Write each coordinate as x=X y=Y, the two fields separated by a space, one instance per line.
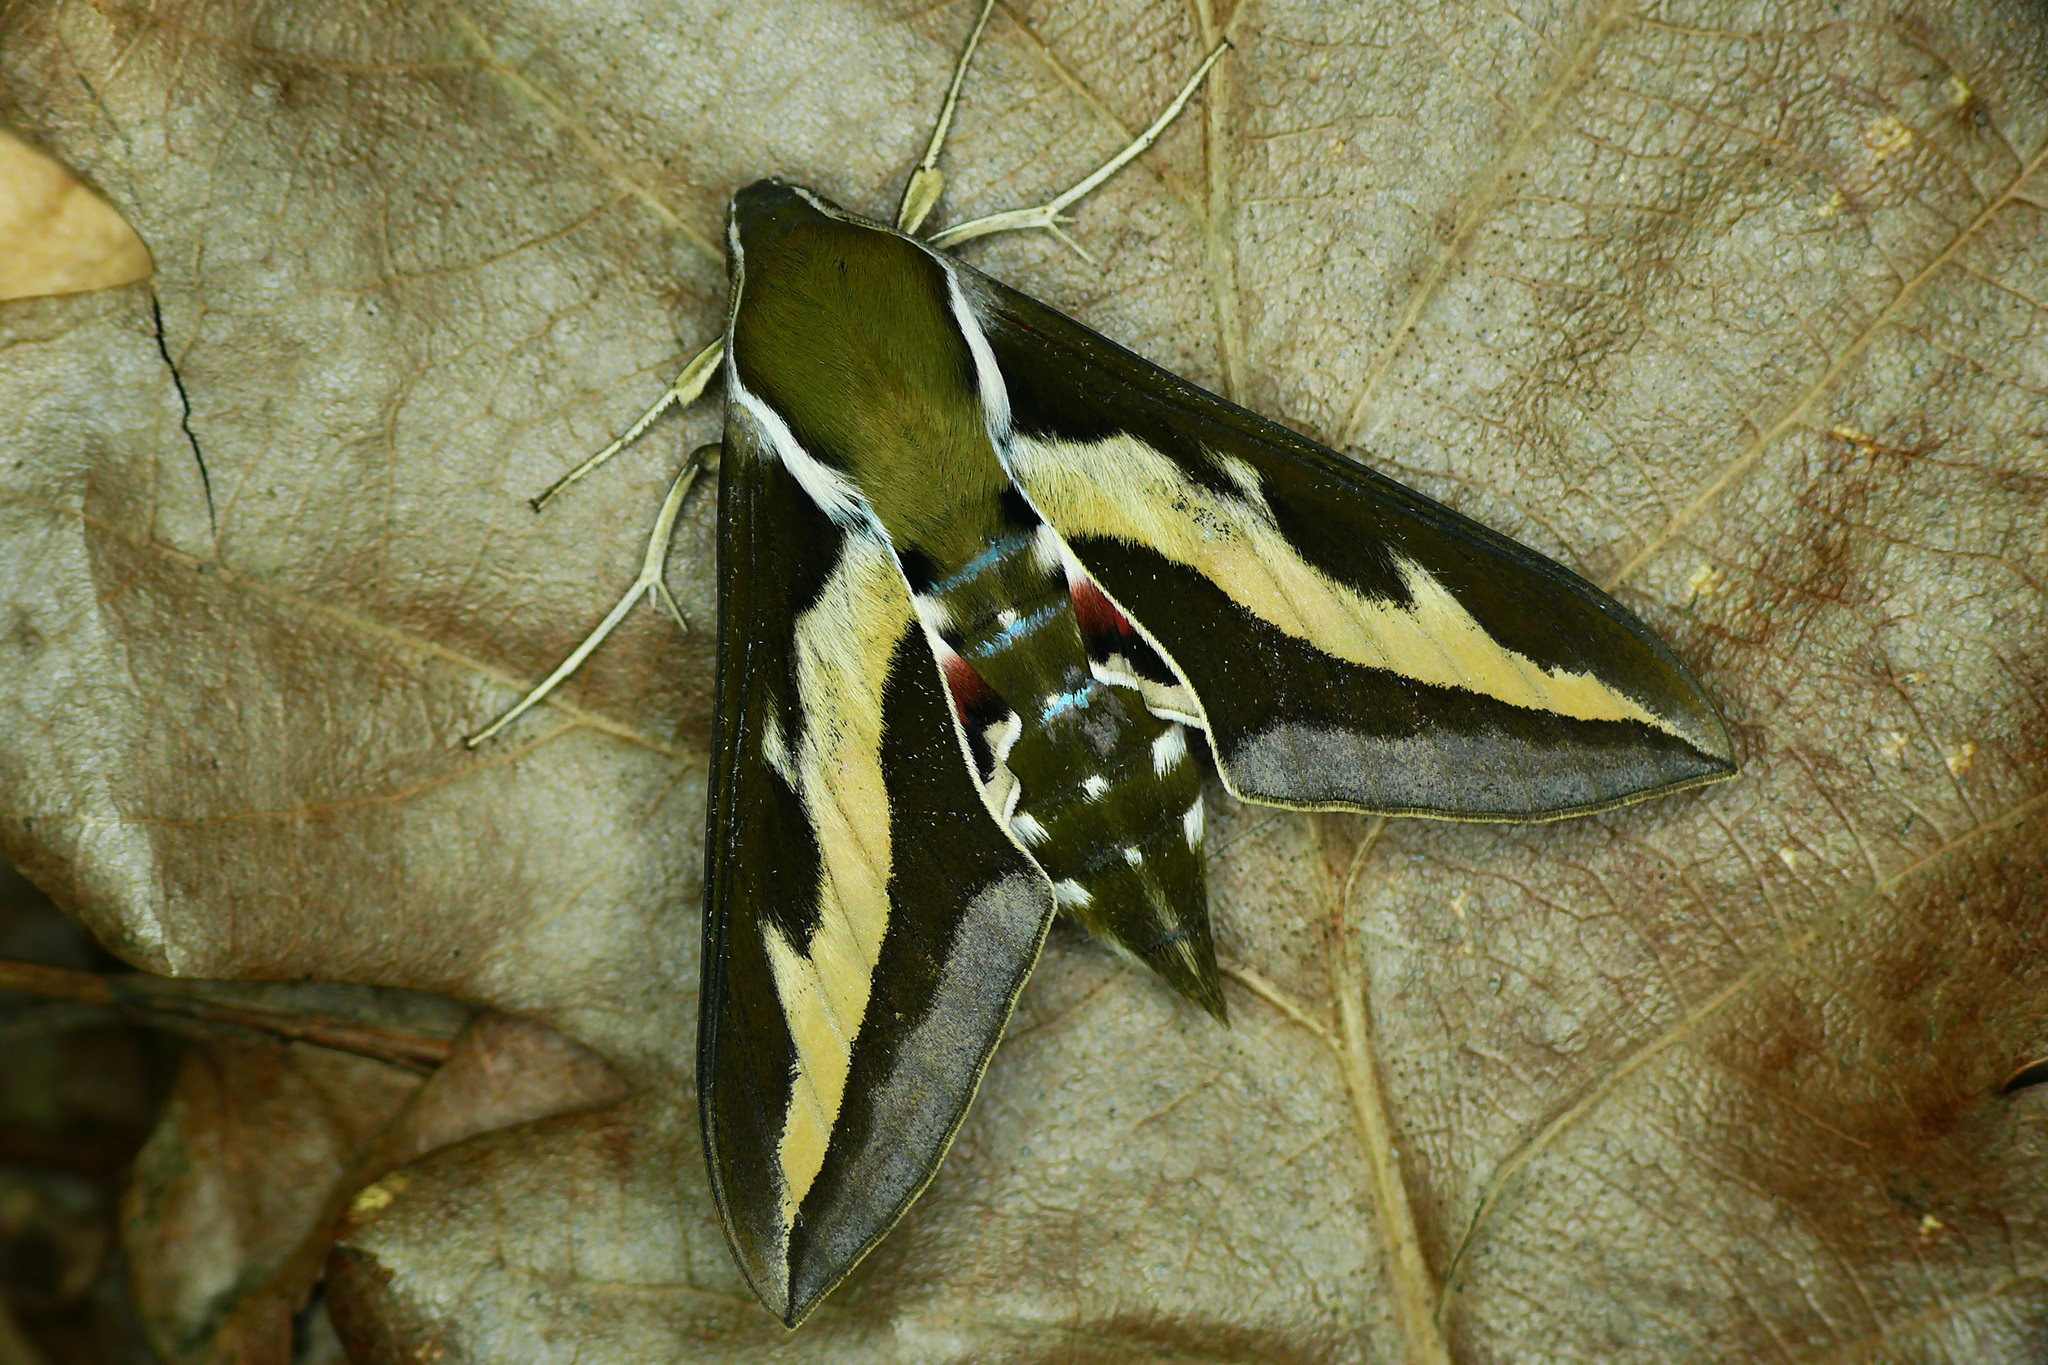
x=1105 y=794
x=1124 y=844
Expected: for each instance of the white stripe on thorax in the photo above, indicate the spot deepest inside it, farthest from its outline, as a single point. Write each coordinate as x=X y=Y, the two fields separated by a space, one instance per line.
x=995 y=394
x=834 y=493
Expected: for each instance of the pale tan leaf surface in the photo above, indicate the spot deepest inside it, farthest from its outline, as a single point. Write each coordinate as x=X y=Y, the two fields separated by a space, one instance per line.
x=1736 y=309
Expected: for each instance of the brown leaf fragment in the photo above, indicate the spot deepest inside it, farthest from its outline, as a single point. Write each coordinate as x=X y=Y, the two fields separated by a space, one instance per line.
x=57 y=236
x=263 y=1145
x=242 y=1171
x=504 y=1071
x=627 y=1174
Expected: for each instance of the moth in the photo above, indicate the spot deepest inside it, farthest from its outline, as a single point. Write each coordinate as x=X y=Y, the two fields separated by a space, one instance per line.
x=988 y=585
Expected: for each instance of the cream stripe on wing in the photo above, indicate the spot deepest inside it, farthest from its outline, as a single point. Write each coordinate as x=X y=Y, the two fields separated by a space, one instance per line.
x=844 y=645
x=1123 y=488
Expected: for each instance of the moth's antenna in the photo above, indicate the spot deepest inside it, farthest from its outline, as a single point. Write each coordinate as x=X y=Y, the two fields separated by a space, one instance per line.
x=1047 y=215
x=926 y=181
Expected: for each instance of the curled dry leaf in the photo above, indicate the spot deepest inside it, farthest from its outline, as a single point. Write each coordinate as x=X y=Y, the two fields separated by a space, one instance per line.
x=1742 y=317
x=57 y=236
x=265 y=1142
x=236 y=1179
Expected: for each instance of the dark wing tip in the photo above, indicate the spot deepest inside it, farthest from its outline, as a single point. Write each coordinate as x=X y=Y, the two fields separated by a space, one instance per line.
x=1708 y=753
x=810 y=1282
x=1686 y=707
x=1723 y=765
x=1722 y=755
x=1705 y=769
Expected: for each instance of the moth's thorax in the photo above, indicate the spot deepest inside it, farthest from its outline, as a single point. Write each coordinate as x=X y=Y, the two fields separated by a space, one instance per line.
x=846 y=331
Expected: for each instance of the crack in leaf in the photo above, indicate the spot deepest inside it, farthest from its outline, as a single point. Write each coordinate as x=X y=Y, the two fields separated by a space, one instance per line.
x=156 y=313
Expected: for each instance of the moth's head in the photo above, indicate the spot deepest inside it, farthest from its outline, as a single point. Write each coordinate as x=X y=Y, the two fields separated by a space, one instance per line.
x=765 y=210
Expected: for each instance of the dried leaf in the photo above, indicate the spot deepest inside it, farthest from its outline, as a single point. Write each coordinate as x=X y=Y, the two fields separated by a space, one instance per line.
x=1740 y=316
x=237 y=1192
x=504 y=1072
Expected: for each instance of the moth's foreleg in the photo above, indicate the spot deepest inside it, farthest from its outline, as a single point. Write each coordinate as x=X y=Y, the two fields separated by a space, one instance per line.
x=650 y=582
x=687 y=388
x=1048 y=214
x=926 y=182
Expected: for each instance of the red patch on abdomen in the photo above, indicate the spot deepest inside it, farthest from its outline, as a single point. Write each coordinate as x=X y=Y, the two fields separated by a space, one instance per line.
x=1097 y=615
x=972 y=697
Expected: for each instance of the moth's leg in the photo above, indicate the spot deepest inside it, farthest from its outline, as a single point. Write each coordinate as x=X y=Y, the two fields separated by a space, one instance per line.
x=650 y=583
x=688 y=387
x=926 y=182
x=1048 y=214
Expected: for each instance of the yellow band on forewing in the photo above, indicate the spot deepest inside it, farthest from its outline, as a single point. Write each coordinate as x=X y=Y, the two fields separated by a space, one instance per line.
x=844 y=646
x=1123 y=488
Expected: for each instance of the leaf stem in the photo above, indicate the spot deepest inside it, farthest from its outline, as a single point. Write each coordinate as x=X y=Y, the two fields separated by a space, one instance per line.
x=189 y=1006
x=1415 y=1289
